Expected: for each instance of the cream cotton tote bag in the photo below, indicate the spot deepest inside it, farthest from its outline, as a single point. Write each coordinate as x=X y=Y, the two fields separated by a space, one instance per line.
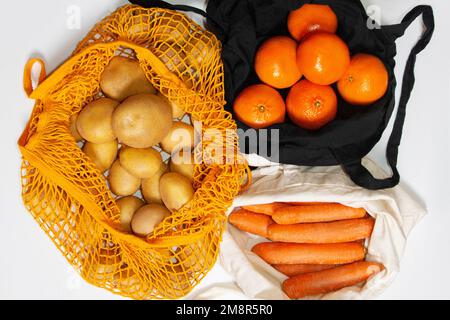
x=395 y=210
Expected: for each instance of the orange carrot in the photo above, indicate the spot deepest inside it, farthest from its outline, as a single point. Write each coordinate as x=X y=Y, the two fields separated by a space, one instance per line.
x=296 y=269
x=316 y=213
x=250 y=222
x=268 y=208
x=325 y=281
x=324 y=232
x=306 y=203
x=296 y=253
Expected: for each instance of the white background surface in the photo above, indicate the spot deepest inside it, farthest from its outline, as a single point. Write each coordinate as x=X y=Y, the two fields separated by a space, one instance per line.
x=32 y=268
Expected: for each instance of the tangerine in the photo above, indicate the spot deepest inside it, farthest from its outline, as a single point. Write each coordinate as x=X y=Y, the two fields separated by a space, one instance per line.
x=365 y=81
x=323 y=58
x=309 y=18
x=275 y=62
x=259 y=106
x=310 y=105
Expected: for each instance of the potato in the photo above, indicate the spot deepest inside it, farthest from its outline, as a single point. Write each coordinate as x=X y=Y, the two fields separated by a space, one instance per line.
x=195 y=257
x=73 y=128
x=94 y=121
x=127 y=280
x=142 y=120
x=176 y=190
x=107 y=263
x=180 y=136
x=121 y=182
x=141 y=163
x=177 y=62
x=177 y=112
x=139 y=26
x=183 y=164
x=147 y=218
x=201 y=49
x=173 y=29
x=150 y=186
x=201 y=52
x=124 y=77
x=102 y=154
x=172 y=55
x=179 y=280
x=127 y=207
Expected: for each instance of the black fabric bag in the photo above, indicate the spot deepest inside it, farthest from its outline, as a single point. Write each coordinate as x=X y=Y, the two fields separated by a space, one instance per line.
x=356 y=130
x=242 y=25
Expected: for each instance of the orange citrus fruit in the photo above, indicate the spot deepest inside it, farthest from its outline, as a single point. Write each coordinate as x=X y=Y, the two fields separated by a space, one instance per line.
x=310 y=105
x=323 y=58
x=309 y=18
x=275 y=62
x=259 y=106
x=365 y=81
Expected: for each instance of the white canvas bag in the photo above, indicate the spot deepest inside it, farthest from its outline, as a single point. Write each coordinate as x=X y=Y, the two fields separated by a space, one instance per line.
x=396 y=213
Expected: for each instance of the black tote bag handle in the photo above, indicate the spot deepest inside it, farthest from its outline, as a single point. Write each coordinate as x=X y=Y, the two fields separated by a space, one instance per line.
x=357 y=172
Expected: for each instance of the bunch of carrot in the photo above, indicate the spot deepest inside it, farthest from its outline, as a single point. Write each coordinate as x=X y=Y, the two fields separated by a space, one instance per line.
x=319 y=246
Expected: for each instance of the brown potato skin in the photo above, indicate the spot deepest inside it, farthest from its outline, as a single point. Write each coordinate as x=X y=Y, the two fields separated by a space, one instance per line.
x=73 y=128
x=177 y=112
x=179 y=164
x=147 y=218
x=102 y=154
x=142 y=120
x=94 y=121
x=121 y=182
x=180 y=136
x=176 y=190
x=123 y=77
x=174 y=31
x=150 y=187
x=141 y=163
x=127 y=207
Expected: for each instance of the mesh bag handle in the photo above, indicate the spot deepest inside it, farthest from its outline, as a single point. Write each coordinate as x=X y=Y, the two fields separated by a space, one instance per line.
x=27 y=75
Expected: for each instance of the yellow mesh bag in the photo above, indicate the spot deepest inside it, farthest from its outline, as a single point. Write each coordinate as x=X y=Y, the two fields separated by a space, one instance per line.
x=69 y=197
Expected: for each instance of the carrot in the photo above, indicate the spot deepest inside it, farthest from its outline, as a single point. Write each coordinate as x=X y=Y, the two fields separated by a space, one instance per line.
x=324 y=232
x=305 y=253
x=316 y=213
x=296 y=269
x=306 y=203
x=268 y=208
x=330 y=280
x=250 y=222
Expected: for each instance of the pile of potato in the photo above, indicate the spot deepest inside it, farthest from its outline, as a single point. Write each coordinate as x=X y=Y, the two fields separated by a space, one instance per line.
x=127 y=132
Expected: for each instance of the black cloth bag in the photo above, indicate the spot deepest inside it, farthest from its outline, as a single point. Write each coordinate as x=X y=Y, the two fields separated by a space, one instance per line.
x=242 y=25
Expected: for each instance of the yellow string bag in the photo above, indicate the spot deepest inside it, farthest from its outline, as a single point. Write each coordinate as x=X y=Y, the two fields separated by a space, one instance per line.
x=69 y=197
